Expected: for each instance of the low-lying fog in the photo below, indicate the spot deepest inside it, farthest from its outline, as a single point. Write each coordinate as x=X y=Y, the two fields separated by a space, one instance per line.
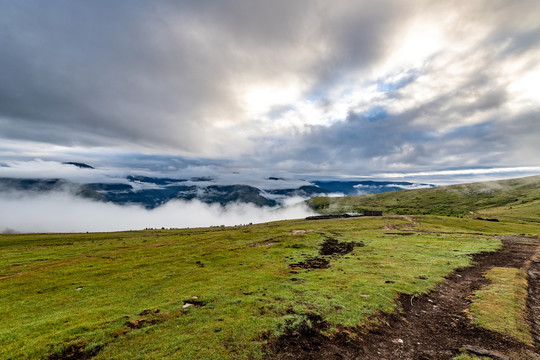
x=63 y=212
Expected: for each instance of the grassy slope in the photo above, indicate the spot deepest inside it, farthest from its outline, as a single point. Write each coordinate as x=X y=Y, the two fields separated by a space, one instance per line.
x=248 y=289
x=62 y=289
x=496 y=198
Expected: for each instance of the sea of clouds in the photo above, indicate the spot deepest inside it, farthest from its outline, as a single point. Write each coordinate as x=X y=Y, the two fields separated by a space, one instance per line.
x=64 y=212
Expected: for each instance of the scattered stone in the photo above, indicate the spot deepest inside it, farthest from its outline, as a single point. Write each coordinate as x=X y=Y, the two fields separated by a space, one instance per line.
x=398 y=341
x=79 y=288
x=194 y=297
x=477 y=350
x=365 y=295
x=186 y=305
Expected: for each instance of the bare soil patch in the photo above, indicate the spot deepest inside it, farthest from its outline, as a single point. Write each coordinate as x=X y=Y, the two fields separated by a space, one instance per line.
x=311 y=263
x=330 y=248
x=76 y=351
x=431 y=326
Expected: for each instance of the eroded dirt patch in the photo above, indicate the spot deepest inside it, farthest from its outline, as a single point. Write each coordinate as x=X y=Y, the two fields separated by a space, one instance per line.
x=330 y=248
x=311 y=263
x=75 y=351
x=431 y=326
x=147 y=317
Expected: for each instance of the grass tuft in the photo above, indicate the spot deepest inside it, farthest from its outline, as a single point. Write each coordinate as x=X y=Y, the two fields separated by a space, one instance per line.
x=501 y=305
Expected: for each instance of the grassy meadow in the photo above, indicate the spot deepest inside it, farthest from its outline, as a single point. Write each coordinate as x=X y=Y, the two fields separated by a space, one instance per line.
x=515 y=199
x=222 y=293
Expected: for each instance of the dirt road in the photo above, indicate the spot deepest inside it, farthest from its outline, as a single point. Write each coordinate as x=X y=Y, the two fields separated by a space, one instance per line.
x=435 y=325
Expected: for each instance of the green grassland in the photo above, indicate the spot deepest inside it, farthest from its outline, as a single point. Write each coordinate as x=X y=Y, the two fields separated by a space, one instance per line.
x=515 y=199
x=500 y=306
x=64 y=289
x=126 y=294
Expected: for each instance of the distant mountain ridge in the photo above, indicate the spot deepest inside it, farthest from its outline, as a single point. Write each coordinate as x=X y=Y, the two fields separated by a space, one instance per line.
x=151 y=192
x=78 y=164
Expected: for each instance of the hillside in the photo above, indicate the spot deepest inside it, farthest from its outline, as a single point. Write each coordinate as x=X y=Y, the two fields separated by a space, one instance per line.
x=366 y=287
x=152 y=192
x=493 y=198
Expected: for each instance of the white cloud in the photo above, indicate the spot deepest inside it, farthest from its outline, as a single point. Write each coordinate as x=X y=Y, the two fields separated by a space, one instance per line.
x=245 y=80
x=62 y=212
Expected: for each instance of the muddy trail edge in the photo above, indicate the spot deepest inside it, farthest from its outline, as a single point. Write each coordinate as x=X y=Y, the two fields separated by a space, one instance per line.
x=433 y=325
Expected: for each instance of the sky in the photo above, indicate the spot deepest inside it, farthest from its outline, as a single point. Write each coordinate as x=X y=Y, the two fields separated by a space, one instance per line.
x=436 y=91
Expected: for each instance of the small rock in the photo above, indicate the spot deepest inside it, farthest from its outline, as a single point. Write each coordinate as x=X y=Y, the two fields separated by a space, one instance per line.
x=186 y=305
x=211 y=307
x=398 y=341
x=194 y=297
x=484 y=352
x=79 y=288
x=365 y=295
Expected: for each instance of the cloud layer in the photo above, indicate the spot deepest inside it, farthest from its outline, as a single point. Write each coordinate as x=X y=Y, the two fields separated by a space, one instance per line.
x=345 y=87
x=62 y=212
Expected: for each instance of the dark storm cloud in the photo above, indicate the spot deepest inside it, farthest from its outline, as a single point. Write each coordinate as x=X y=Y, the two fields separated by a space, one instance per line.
x=159 y=73
x=171 y=77
x=99 y=72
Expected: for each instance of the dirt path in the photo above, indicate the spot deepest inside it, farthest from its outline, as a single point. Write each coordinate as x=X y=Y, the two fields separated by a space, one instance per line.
x=436 y=325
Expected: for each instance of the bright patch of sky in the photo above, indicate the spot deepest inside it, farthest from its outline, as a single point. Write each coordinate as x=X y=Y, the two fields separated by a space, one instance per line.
x=289 y=87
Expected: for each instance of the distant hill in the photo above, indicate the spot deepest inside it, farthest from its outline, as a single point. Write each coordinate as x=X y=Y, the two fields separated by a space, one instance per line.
x=490 y=197
x=152 y=192
x=367 y=186
x=78 y=164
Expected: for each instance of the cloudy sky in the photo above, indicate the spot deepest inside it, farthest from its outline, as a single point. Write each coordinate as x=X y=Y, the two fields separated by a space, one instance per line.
x=346 y=88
